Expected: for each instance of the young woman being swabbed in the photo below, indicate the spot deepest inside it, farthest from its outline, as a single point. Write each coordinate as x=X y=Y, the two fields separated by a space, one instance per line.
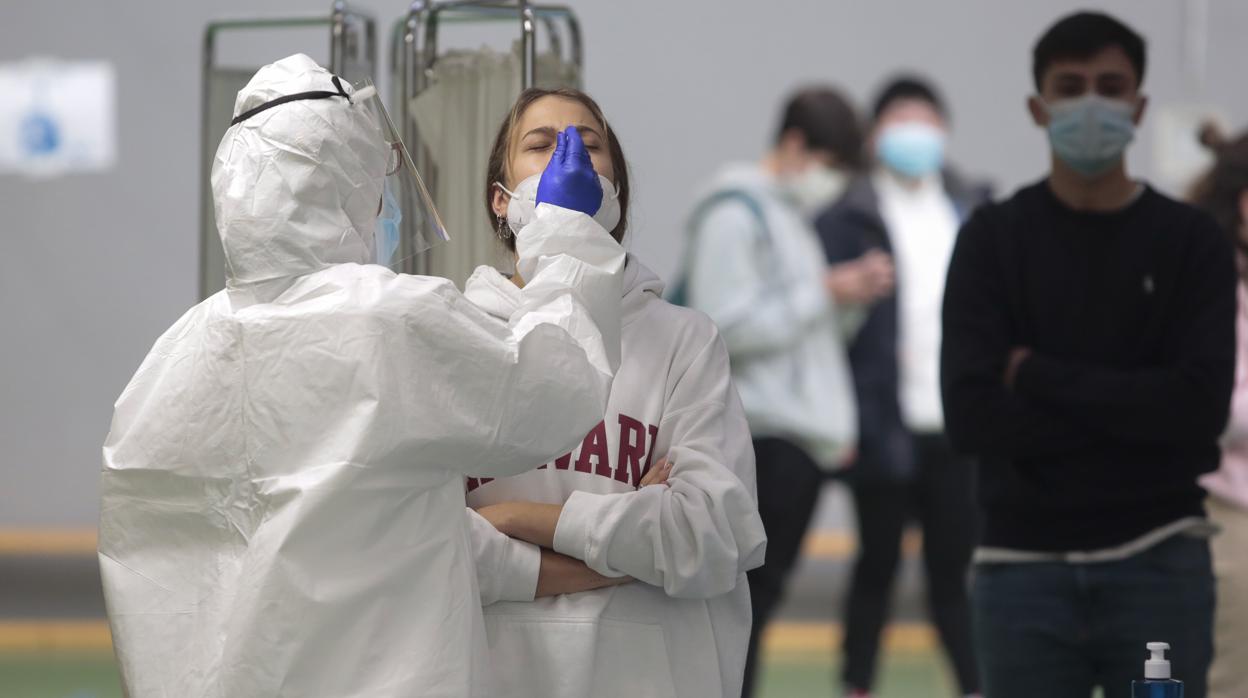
x=617 y=569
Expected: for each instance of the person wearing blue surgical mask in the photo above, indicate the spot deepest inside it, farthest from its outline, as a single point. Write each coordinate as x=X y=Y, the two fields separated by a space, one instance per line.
x=1087 y=363
x=908 y=205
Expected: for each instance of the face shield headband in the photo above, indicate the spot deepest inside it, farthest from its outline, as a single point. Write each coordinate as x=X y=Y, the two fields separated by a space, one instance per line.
x=314 y=94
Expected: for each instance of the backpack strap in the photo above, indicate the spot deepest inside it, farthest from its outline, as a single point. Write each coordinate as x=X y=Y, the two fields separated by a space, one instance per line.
x=678 y=292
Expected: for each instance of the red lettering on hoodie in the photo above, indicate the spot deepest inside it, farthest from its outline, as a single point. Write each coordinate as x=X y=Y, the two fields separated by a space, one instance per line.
x=633 y=461
x=632 y=450
x=473 y=483
x=594 y=447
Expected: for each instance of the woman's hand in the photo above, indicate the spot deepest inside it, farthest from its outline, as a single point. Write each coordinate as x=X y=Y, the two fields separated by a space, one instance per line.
x=658 y=473
x=560 y=574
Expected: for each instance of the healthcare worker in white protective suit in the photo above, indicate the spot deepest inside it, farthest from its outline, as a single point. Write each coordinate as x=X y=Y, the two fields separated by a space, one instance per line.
x=282 y=512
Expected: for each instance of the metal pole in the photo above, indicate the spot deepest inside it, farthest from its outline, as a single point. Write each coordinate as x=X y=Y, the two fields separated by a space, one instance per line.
x=337 y=37
x=552 y=31
x=205 y=236
x=370 y=46
x=529 y=58
x=578 y=48
x=430 y=49
x=413 y=80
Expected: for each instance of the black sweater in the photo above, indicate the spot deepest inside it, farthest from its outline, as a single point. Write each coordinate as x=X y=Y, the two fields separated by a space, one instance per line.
x=1130 y=317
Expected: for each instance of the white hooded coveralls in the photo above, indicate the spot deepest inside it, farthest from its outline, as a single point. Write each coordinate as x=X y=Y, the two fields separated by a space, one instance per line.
x=282 y=496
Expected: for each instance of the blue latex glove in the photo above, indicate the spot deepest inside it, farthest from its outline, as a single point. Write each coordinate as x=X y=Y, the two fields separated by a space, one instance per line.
x=569 y=180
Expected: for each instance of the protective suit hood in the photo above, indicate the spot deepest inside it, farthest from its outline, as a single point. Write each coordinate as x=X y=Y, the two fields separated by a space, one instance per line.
x=641 y=285
x=295 y=188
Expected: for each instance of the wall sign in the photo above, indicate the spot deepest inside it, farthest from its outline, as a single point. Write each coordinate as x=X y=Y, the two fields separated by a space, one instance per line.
x=57 y=117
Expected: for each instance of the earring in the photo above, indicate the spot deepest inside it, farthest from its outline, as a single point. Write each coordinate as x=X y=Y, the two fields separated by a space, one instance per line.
x=504 y=230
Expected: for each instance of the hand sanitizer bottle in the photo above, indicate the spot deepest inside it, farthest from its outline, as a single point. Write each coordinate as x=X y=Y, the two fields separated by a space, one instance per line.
x=1157 y=682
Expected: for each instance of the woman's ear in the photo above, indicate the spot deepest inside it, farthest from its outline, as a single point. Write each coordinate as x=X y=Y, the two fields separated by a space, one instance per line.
x=499 y=201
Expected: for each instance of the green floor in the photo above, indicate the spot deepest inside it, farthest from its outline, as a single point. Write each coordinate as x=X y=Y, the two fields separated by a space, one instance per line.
x=58 y=675
x=902 y=675
x=92 y=675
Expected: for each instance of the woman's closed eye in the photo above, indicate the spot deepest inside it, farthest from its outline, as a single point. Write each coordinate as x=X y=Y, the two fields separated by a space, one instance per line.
x=544 y=139
x=544 y=146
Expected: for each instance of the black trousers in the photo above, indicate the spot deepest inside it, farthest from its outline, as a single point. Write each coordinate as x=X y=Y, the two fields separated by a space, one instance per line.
x=788 y=488
x=940 y=497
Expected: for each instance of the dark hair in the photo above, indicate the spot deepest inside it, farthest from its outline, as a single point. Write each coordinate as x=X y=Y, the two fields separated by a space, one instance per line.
x=907 y=87
x=496 y=169
x=827 y=121
x=1219 y=190
x=1083 y=35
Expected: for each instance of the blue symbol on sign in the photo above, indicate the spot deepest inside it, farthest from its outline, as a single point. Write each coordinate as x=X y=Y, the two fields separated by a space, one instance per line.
x=40 y=134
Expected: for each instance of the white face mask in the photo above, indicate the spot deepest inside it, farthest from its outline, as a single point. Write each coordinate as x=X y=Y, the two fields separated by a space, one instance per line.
x=817 y=187
x=522 y=207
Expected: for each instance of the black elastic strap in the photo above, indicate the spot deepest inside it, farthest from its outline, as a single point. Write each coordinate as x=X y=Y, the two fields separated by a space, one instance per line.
x=317 y=94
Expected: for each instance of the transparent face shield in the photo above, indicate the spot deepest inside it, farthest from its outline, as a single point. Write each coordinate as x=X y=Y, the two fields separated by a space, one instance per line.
x=407 y=221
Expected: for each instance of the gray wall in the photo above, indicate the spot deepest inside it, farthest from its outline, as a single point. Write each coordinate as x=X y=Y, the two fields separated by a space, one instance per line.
x=95 y=267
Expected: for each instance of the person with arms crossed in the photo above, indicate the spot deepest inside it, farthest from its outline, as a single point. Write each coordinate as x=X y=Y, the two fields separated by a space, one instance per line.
x=1087 y=363
x=661 y=491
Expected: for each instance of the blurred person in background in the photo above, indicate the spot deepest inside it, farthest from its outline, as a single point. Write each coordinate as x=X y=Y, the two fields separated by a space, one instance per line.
x=1223 y=193
x=754 y=266
x=909 y=206
x=1087 y=362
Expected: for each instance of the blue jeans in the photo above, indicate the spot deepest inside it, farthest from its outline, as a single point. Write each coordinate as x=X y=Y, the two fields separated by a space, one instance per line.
x=1056 y=630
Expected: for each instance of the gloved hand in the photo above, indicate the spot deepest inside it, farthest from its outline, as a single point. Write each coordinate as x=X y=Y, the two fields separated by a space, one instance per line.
x=569 y=180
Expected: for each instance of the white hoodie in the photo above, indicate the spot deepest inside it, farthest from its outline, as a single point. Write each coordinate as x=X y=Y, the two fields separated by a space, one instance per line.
x=682 y=628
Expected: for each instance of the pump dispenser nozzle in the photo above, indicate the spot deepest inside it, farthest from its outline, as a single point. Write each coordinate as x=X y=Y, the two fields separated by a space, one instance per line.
x=1158 y=667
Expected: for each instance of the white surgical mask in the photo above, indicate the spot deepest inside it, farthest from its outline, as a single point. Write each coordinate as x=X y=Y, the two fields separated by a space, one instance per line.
x=814 y=189
x=1090 y=133
x=522 y=207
